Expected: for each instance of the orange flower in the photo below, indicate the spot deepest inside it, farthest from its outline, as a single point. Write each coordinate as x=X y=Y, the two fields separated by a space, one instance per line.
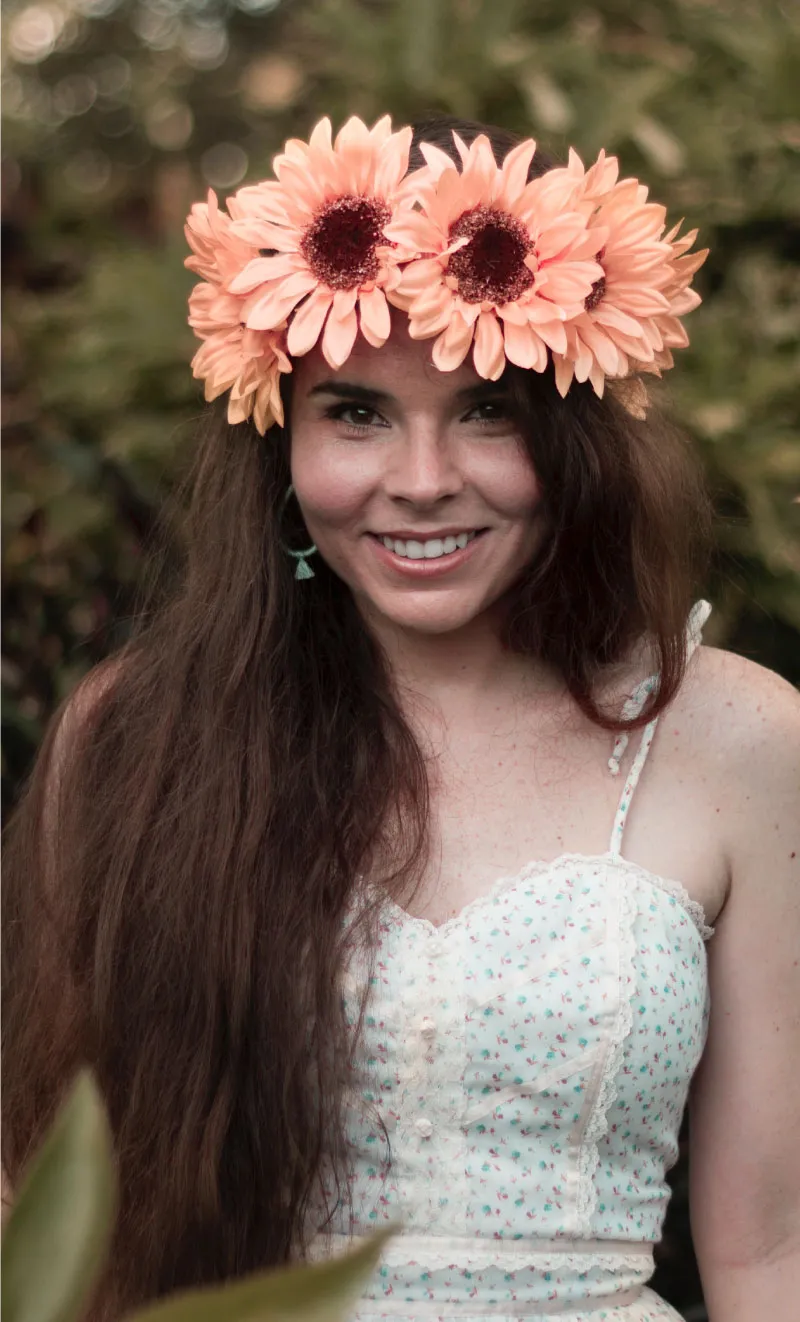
x=629 y=319
x=322 y=224
x=219 y=253
x=573 y=265
x=501 y=264
x=249 y=363
x=682 y=266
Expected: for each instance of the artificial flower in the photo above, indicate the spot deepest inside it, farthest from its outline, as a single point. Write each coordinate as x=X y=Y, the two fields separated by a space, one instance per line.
x=321 y=222
x=218 y=253
x=232 y=357
x=682 y=266
x=628 y=320
x=502 y=263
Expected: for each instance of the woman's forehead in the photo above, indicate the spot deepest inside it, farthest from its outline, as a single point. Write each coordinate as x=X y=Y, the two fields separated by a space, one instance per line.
x=400 y=367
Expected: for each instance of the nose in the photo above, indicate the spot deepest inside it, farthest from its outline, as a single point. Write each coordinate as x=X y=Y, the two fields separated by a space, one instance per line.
x=423 y=467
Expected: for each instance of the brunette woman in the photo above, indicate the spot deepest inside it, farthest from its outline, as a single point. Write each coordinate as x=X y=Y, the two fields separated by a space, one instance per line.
x=414 y=860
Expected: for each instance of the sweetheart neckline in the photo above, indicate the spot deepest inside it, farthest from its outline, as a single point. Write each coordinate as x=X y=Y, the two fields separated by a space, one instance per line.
x=541 y=867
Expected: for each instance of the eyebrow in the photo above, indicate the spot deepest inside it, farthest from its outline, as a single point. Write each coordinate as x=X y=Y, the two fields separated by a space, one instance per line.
x=369 y=395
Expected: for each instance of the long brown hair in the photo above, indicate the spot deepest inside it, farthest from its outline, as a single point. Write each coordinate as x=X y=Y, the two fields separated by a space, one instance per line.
x=180 y=863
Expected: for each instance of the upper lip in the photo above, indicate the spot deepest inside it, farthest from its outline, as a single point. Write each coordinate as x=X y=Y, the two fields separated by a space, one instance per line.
x=418 y=535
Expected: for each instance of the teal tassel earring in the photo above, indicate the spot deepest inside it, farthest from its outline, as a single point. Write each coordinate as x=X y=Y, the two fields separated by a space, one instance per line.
x=303 y=569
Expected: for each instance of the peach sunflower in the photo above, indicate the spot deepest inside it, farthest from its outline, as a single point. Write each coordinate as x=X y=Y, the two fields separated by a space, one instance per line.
x=630 y=318
x=682 y=299
x=501 y=263
x=247 y=362
x=321 y=223
x=218 y=253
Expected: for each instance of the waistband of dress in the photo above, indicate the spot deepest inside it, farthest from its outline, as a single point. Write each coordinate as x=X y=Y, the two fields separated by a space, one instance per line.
x=432 y=1275
x=456 y=1249
x=376 y=1310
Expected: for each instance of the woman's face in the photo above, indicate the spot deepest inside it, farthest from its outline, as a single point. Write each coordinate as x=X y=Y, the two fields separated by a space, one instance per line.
x=391 y=445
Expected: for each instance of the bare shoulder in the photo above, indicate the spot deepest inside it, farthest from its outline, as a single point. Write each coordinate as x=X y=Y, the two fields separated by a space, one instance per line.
x=746 y=722
x=743 y=706
x=744 y=1115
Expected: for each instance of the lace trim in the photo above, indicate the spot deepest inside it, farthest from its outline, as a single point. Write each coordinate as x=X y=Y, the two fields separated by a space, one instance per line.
x=614 y=1308
x=597 y=1127
x=560 y=1073
x=693 y=907
x=540 y=868
x=434 y=1259
x=440 y=1252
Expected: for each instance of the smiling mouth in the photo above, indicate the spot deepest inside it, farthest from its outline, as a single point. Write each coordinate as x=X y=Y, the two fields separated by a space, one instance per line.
x=448 y=546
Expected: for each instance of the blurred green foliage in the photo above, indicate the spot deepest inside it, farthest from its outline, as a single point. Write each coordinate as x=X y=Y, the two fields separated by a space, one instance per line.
x=56 y=1244
x=117 y=115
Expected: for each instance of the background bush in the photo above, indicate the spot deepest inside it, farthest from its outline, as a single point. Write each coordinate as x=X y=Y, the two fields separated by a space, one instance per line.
x=117 y=115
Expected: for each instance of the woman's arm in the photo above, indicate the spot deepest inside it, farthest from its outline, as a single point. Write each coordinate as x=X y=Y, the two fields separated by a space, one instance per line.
x=744 y=1105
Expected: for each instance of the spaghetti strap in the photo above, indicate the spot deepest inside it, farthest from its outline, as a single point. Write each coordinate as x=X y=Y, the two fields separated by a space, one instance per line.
x=633 y=705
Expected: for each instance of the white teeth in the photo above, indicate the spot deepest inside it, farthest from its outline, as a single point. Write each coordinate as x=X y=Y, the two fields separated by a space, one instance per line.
x=430 y=550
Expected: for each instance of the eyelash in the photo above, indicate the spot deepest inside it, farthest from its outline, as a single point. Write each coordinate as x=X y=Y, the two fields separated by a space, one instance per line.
x=336 y=411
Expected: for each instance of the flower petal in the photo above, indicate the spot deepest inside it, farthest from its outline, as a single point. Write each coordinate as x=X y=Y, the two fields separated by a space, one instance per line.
x=420 y=275
x=514 y=172
x=452 y=346
x=414 y=231
x=392 y=164
x=268 y=310
x=254 y=274
x=564 y=372
x=553 y=334
x=435 y=159
x=524 y=347
x=489 y=354
x=434 y=321
x=338 y=338
x=376 y=322
x=605 y=352
x=307 y=322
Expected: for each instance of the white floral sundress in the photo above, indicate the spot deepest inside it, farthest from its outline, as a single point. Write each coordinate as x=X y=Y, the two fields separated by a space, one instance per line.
x=529 y=1062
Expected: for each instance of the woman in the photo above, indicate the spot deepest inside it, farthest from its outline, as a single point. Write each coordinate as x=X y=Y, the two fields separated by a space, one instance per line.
x=439 y=567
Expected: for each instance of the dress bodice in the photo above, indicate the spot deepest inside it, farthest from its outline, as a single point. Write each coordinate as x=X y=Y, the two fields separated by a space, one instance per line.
x=524 y=1073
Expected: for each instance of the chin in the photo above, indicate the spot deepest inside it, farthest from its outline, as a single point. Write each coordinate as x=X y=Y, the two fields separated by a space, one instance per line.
x=431 y=618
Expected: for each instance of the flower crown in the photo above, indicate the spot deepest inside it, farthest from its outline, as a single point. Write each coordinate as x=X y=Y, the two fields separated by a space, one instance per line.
x=573 y=266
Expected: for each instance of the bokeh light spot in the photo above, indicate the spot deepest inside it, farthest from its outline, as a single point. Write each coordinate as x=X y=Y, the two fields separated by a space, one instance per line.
x=224 y=165
x=169 y=124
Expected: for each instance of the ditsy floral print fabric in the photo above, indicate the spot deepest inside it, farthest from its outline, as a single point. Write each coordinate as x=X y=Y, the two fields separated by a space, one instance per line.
x=521 y=1089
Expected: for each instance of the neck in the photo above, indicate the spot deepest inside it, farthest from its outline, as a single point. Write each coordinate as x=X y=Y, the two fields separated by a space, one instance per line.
x=462 y=677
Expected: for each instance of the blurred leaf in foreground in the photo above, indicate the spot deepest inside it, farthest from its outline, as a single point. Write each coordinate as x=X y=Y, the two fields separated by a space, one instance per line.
x=321 y=1292
x=58 y=1233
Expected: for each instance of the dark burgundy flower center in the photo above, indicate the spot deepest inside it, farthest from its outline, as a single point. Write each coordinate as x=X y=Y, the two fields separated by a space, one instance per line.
x=598 y=289
x=340 y=244
x=491 y=267
x=595 y=294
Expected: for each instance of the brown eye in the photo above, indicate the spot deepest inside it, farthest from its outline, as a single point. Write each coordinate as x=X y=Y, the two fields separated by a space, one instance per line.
x=493 y=410
x=339 y=412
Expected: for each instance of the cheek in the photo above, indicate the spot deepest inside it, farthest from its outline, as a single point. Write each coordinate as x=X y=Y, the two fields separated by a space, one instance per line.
x=512 y=489
x=331 y=486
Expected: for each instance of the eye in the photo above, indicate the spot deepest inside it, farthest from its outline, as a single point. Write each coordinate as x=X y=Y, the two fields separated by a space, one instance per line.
x=493 y=410
x=338 y=413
